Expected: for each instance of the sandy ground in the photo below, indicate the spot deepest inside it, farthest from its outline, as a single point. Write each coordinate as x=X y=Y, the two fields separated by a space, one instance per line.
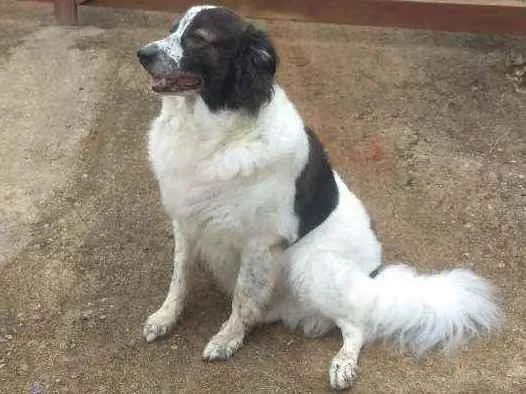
x=426 y=128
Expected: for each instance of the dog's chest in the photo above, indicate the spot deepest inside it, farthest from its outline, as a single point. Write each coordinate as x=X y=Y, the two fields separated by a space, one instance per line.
x=235 y=208
x=185 y=193
x=218 y=216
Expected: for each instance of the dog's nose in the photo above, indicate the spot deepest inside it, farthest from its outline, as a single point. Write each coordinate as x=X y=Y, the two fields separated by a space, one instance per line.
x=147 y=54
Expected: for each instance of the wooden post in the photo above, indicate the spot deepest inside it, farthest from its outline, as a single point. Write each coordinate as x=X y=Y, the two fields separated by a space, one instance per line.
x=66 y=12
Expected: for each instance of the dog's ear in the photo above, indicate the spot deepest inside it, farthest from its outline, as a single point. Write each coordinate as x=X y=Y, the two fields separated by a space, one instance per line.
x=253 y=71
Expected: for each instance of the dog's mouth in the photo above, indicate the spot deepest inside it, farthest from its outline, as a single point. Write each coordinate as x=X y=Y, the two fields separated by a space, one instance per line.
x=177 y=82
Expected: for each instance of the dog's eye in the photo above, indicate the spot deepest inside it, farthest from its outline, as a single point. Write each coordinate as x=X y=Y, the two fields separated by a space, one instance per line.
x=201 y=38
x=197 y=41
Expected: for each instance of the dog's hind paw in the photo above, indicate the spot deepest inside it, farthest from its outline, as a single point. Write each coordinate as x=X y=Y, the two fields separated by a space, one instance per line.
x=342 y=372
x=157 y=325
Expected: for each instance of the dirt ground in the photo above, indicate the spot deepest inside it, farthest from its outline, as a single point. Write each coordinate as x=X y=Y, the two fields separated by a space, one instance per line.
x=428 y=129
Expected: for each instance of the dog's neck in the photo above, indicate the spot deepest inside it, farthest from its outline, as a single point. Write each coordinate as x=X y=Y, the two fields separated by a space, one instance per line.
x=193 y=110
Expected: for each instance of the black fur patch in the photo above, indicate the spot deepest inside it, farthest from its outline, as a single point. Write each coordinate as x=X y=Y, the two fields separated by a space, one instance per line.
x=251 y=80
x=238 y=65
x=374 y=273
x=316 y=189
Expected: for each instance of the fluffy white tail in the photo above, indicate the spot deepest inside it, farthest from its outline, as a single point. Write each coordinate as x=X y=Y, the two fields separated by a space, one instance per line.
x=424 y=311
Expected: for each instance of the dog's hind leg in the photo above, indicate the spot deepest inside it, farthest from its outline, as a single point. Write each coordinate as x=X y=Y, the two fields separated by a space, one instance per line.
x=294 y=316
x=259 y=270
x=160 y=322
x=344 y=365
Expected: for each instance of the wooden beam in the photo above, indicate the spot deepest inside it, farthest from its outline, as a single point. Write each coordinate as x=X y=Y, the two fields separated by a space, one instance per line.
x=481 y=16
x=66 y=12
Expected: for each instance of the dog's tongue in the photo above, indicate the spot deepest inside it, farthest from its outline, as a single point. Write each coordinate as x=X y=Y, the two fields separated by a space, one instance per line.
x=161 y=83
x=186 y=82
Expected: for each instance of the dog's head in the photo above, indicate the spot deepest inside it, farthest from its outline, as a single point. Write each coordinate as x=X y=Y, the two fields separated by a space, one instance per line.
x=214 y=53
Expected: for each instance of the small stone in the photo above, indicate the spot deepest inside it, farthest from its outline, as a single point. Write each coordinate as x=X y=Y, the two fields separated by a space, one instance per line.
x=9 y=337
x=36 y=388
x=86 y=314
x=24 y=367
x=2 y=365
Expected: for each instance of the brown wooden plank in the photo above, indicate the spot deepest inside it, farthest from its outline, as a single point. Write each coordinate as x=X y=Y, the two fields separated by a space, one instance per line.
x=66 y=12
x=506 y=3
x=492 y=16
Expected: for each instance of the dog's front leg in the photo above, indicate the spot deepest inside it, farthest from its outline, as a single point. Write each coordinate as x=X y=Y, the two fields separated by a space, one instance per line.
x=160 y=322
x=256 y=279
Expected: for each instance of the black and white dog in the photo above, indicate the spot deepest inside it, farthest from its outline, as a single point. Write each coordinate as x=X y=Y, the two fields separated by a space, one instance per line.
x=251 y=192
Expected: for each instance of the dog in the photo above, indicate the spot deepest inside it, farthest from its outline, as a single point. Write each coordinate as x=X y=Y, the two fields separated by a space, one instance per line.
x=251 y=192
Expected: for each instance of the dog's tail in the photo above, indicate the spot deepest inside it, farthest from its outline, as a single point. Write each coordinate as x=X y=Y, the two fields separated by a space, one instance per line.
x=424 y=311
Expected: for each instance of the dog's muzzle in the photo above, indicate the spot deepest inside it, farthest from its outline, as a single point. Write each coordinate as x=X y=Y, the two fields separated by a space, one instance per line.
x=167 y=77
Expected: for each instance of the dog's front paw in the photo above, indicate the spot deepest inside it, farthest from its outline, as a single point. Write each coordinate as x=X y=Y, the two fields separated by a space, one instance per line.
x=342 y=372
x=221 y=347
x=158 y=324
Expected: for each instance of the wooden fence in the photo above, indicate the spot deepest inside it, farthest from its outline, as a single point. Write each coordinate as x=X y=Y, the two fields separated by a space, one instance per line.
x=482 y=16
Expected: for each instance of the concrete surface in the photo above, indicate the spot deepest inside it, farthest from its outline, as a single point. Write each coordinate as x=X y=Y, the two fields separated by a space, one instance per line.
x=427 y=128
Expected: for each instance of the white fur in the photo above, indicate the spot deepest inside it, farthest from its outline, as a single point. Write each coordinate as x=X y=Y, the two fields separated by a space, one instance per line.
x=172 y=44
x=227 y=180
x=422 y=311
